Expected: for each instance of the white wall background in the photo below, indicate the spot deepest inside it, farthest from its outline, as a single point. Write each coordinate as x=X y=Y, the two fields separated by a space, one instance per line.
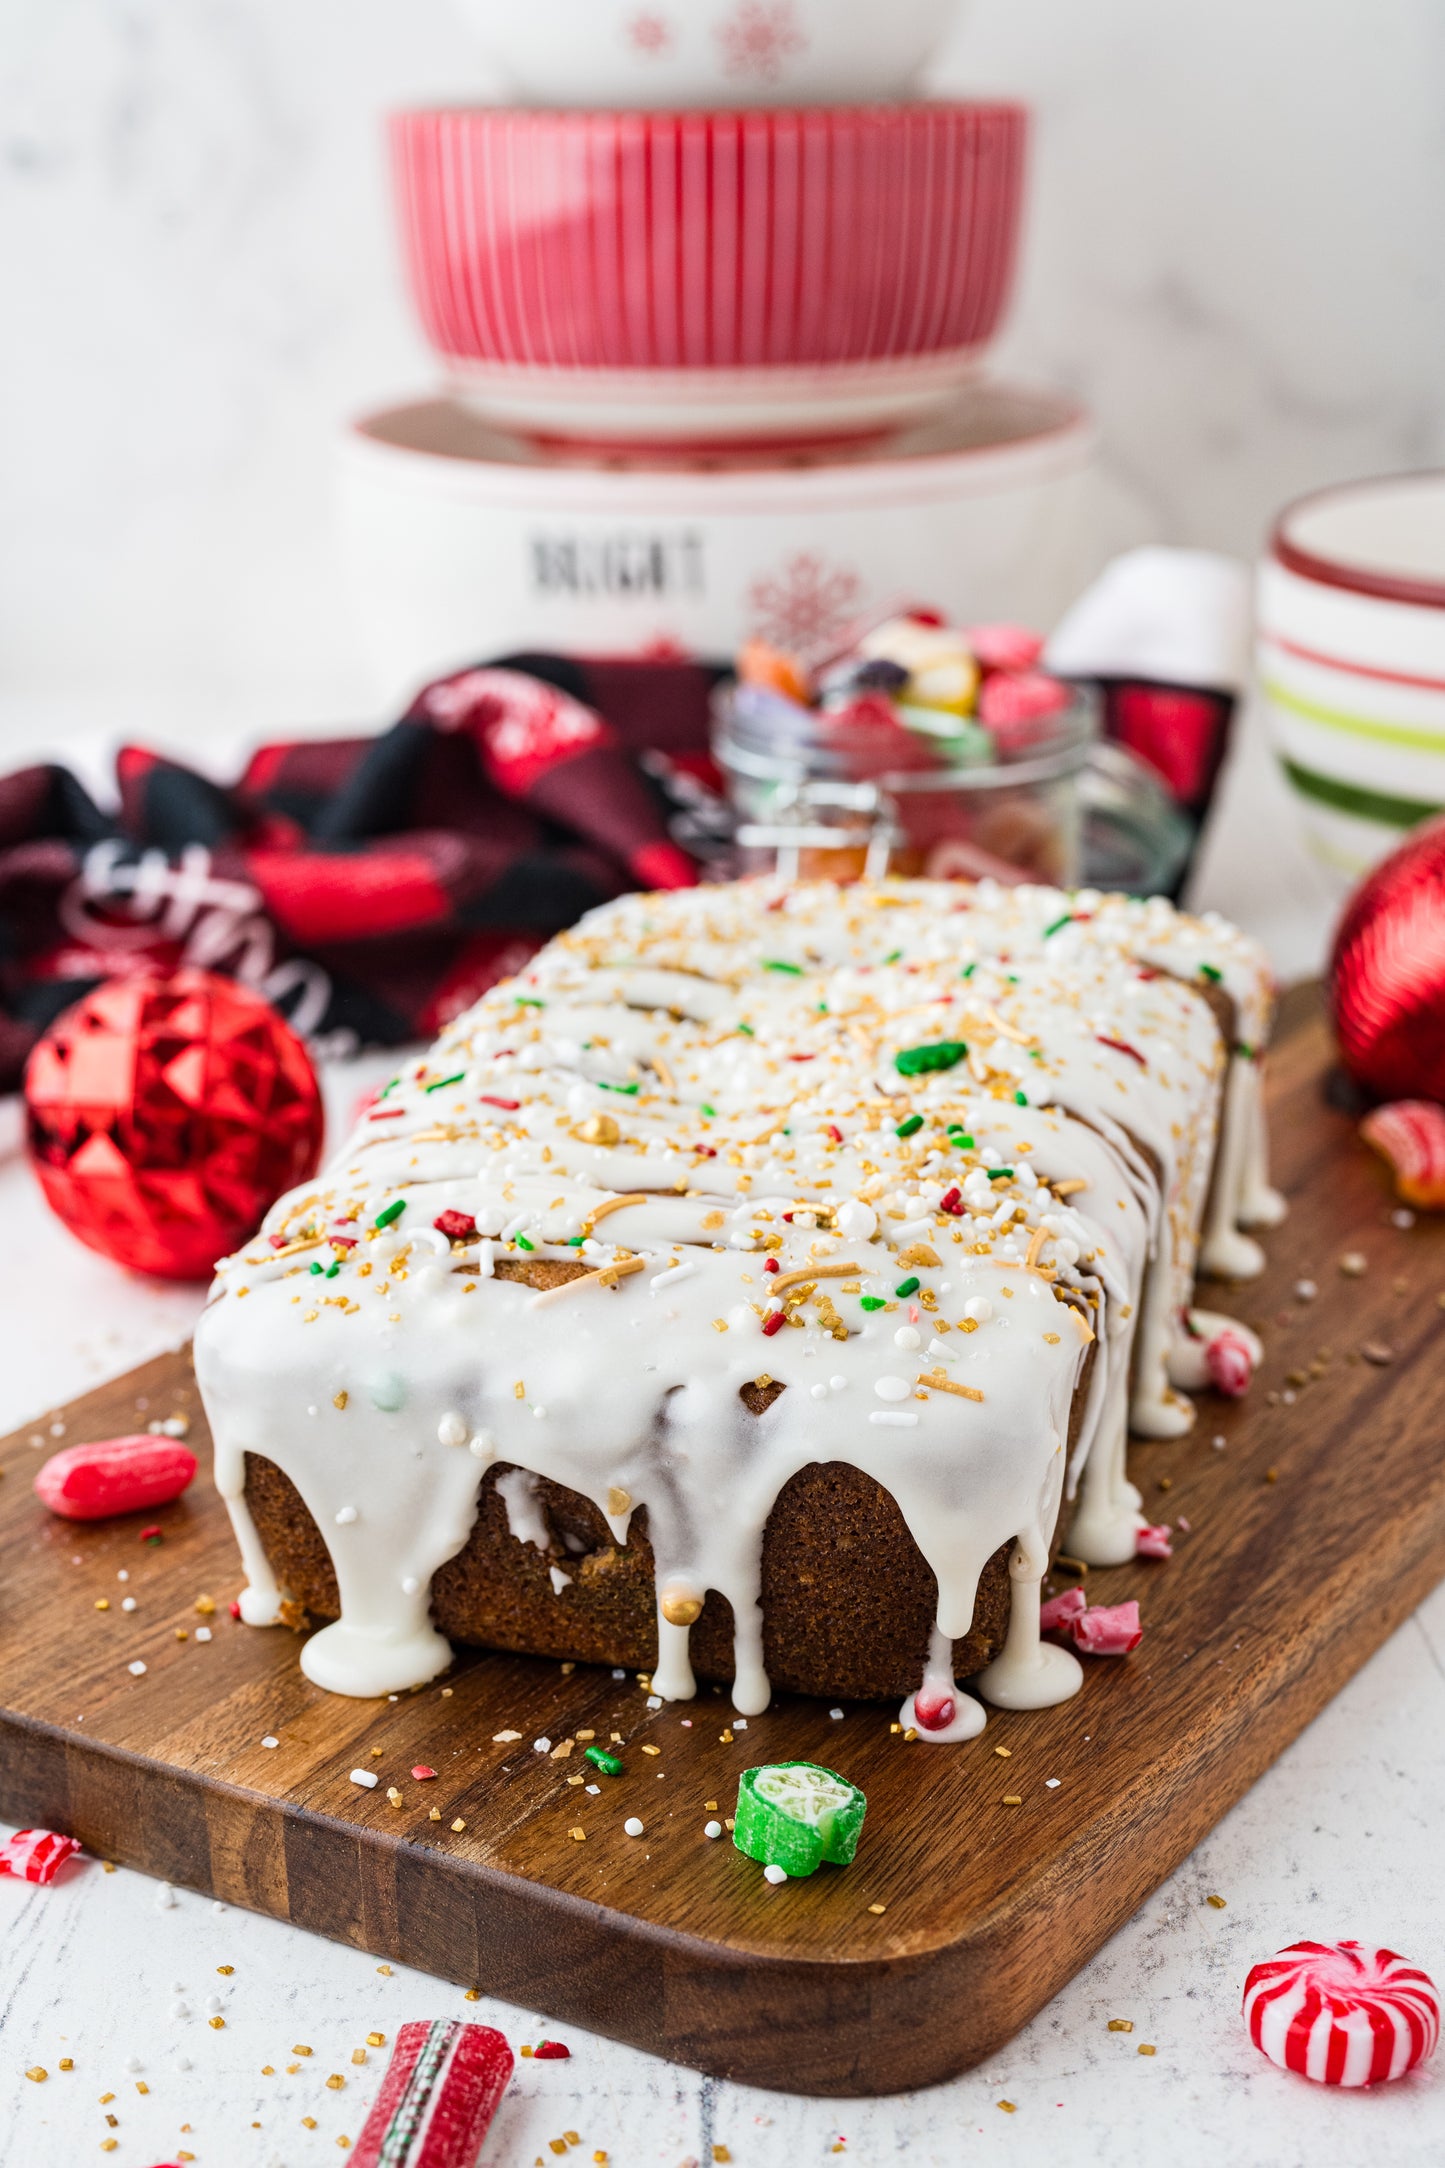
x=1234 y=256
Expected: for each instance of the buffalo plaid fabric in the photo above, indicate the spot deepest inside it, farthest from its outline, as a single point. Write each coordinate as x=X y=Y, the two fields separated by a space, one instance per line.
x=370 y=887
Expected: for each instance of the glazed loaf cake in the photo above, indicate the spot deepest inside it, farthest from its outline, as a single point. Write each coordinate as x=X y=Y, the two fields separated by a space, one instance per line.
x=754 y=1288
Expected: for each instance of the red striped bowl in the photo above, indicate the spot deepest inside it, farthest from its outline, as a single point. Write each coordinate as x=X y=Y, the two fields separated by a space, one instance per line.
x=665 y=277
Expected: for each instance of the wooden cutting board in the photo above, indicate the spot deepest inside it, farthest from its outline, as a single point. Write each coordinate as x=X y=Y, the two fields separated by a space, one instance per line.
x=1314 y=1529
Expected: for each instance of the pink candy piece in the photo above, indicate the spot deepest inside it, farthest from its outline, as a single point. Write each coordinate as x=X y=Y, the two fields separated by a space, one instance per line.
x=115 y=1475
x=36 y=1855
x=1153 y=1543
x=1004 y=647
x=1229 y=1359
x=1109 y=1630
x=1060 y=1612
x=1012 y=697
x=438 y=2097
x=1341 y=2013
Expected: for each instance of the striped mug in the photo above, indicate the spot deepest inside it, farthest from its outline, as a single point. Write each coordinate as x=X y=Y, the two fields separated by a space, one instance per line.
x=1352 y=662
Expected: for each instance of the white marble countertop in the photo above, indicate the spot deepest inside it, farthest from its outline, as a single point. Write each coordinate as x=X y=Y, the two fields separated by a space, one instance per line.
x=1341 y=1838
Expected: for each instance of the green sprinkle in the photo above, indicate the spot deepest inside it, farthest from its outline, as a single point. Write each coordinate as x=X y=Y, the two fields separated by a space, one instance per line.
x=1012 y=977
x=896 y=957
x=1211 y=972
x=910 y=1286
x=1021 y=1098
x=968 y=971
x=822 y=1008
x=873 y=1302
x=1059 y=924
x=1244 y=1051
x=961 y=1138
x=628 y=1091
x=775 y=963
x=575 y=1242
x=921 y=1060
x=387 y=1089
x=910 y=1126
x=710 y=1112
x=443 y=1081
x=999 y=1174
x=390 y=1212
x=333 y=1268
x=524 y=1244
x=601 y=1759
x=529 y=1001
x=316 y=1268
x=746 y=1030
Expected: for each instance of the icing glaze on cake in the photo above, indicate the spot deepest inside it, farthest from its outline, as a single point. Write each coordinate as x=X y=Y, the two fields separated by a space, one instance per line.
x=911 y=1150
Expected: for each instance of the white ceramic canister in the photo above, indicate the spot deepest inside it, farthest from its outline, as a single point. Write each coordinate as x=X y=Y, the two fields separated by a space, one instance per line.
x=464 y=544
x=1352 y=662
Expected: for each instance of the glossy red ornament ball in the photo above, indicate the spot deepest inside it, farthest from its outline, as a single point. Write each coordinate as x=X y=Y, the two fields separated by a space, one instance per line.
x=1387 y=974
x=166 y=1115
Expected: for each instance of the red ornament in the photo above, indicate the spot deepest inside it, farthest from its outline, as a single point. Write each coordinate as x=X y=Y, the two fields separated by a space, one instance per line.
x=166 y=1115
x=1387 y=974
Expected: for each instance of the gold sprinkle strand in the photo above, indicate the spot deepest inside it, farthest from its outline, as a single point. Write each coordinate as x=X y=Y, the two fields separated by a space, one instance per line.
x=613 y=1204
x=810 y=1272
x=938 y=1382
x=1121 y=2024
x=608 y=1276
x=1037 y=1240
x=1069 y=1188
x=1219 y=1903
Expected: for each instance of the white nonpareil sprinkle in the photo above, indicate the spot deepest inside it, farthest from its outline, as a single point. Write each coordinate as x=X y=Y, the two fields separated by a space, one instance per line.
x=133 y=2063
x=893 y=1419
x=837 y=1715
x=137 y=1669
x=775 y=1875
x=818 y=1392
x=979 y=1308
x=410 y=1585
x=128 y=1603
x=673 y=1274
x=122 y=1575
x=1305 y=1290
x=632 y=1826
x=367 y=1778
x=484 y=1446
x=712 y=1829
x=203 y=1633
x=165 y=1897
x=893 y=1388
x=542 y=1745
x=837 y=1385
x=451 y=1430
x=270 y=1740
x=345 y=1516
x=908 y=1337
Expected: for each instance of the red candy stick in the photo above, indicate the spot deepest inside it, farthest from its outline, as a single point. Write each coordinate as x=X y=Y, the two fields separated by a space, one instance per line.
x=36 y=1855
x=115 y=1475
x=437 y=2099
x=1341 y=2013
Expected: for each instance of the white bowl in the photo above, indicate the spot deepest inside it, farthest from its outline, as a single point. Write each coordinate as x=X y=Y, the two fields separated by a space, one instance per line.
x=1352 y=662
x=465 y=544
x=656 y=53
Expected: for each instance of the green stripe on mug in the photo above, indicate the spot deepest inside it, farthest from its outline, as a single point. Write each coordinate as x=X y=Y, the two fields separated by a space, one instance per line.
x=1366 y=805
x=1355 y=726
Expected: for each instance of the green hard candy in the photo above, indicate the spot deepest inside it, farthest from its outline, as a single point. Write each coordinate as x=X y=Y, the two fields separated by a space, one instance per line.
x=797 y=1815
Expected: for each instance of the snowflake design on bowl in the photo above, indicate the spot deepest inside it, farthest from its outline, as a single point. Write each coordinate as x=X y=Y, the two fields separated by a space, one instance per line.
x=807 y=601
x=759 y=37
x=648 y=33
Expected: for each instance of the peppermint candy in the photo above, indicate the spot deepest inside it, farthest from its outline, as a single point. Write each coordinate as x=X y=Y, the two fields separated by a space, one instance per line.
x=1229 y=1360
x=1342 y=2014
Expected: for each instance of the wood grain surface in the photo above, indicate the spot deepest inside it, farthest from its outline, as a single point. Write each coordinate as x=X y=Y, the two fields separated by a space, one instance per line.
x=1316 y=1514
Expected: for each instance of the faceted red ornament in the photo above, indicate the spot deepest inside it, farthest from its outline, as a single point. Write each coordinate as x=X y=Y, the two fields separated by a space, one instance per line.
x=166 y=1115
x=1387 y=974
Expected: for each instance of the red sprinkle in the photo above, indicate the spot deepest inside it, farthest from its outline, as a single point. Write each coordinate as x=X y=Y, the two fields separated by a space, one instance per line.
x=774 y=1322
x=421 y=1772
x=116 y=1475
x=551 y=2051
x=1059 y=1613
x=456 y=1226
x=952 y=1202
x=705 y=1151
x=508 y=1106
x=278 y=1242
x=151 y=1535
x=831 y=1129
x=1122 y=1046
x=342 y=1242
x=234 y=1607
x=386 y=1114
x=770 y=1264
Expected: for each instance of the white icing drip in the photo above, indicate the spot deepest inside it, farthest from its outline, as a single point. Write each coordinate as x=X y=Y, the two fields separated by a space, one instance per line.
x=742 y=1093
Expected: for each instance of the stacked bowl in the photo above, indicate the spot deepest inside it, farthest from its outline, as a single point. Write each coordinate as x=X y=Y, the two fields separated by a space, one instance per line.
x=710 y=304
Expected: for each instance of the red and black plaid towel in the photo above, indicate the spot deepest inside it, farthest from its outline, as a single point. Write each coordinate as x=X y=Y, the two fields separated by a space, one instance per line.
x=371 y=887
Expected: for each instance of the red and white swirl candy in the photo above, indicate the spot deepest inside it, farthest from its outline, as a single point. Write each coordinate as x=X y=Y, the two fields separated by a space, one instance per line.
x=1342 y=2014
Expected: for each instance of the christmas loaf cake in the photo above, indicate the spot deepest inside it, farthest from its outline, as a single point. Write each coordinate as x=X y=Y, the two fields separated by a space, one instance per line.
x=755 y=1287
